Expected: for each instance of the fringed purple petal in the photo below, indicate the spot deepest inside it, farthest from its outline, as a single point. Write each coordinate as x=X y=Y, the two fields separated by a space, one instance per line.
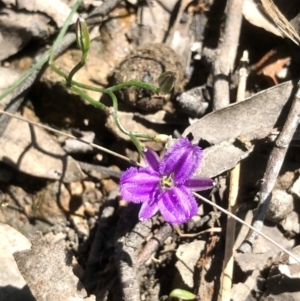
x=177 y=205
x=139 y=184
x=182 y=160
x=198 y=184
x=152 y=159
x=147 y=210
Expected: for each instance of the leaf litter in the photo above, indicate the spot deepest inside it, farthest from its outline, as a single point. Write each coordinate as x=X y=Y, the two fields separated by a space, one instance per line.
x=78 y=211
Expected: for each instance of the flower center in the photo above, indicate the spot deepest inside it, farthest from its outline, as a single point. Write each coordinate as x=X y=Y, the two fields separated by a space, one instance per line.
x=167 y=182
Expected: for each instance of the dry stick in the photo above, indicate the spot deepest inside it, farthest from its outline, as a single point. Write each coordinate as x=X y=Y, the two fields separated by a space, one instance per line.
x=232 y=199
x=273 y=167
x=106 y=7
x=191 y=235
x=153 y=244
x=226 y=54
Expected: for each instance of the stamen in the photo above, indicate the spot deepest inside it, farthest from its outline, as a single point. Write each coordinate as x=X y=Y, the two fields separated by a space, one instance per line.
x=167 y=182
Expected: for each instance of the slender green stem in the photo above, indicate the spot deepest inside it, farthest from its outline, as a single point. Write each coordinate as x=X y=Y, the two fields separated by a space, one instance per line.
x=133 y=135
x=75 y=83
x=122 y=129
x=95 y=103
x=73 y=71
x=58 y=71
x=115 y=88
x=87 y=87
x=118 y=87
x=110 y=91
x=134 y=83
x=115 y=113
x=137 y=144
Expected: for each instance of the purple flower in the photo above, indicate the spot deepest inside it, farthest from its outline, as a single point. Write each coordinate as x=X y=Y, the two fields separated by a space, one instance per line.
x=166 y=185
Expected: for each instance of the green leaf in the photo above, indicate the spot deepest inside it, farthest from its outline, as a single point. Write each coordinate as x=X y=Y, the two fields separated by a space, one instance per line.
x=182 y=294
x=166 y=81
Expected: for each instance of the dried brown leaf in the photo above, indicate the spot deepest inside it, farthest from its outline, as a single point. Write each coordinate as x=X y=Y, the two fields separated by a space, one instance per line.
x=31 y=150
x=253 y=118
x=280 y=20
x=47 y=269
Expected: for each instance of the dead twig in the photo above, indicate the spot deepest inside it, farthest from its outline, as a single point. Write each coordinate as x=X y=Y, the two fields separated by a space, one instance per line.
x=95 y=17
x=154 y=243
x=227 y=52
x=273 y=167
x=192 y=235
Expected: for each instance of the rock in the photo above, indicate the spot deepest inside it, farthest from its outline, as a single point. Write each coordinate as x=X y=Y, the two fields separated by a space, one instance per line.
x=291 y=222
x=187 y=255
x=47 y=269
x=262 y=249
x=242 y=290
x=13 y=285
x=280 y=206
x=295 y=189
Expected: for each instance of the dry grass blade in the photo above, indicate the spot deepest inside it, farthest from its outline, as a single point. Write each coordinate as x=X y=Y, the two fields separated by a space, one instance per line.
x=233 y=197
x=279 y=19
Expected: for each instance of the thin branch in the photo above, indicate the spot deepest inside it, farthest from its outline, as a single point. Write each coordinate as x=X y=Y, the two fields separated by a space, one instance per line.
x=106 y=7
x=154 y=243
x=272 y=170
x=227 y=52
